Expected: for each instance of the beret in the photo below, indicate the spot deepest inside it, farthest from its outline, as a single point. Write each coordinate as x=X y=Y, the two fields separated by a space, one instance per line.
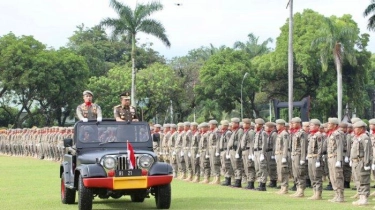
x=315 y=122
x=173 y=125
x=186 y=123
x=371 y=122
x=296 y=120
x=343 y=125
x=270 y=124
x=213 y=122
x=157 y=126
x=333 y=120
x=235 y=120
x=224 y=122
x=194 y=124
x=204 y=124
x=305 y=123
x=359 y=124
x=355 y=119
x=280 y=121
x=246 y=120
x=87 y=92
x=259 y=121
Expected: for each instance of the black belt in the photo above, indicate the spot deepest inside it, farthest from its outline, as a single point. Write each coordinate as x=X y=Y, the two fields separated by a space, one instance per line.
x=247 y=147
x=344 y=151
x=258 y=149
x=222 y=150
x=269 y=150
x=234 y=148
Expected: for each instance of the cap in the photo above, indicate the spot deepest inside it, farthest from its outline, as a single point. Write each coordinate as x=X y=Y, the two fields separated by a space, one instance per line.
x=157 y=126
x=371 y=122
x=204 y=124
x=213 y=122
x=125 y=95
x=350 y=125
x=193 y=124
x=173 y=125
x=246 y=120
x=224 y=122
x=359 y=124
x=296 y=120
x=87 y=92
x=355 y=119
x=325 y=125
x=305 y=123
x=235 y=120
x=166 y=125
x=286 y=124
x=259 y=121
x=180 y=124
x=333 y=120
x=315 y=121
x=186 y=123
x=343 y=125
x=270 y=124
x=280 y=121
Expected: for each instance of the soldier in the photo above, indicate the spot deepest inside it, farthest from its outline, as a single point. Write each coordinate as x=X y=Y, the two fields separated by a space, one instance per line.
x=186 y=141
x=360 y=155
x=281 y=153
x=203 y=154
x=214 y=151
x=179 y=152
x=226 y=167
x=124 y=111
x=314 y=155
x=247 y=143
x=195 y=164
x=260 y=162
x=164 y=143
x=171 y=148
x=271 y=134
x=306 y=128
x=347 y=170
x=299 y=149
x=335 y=155
x=233 y=150
x=156 y=143
x=325 y=157
x=88 y=110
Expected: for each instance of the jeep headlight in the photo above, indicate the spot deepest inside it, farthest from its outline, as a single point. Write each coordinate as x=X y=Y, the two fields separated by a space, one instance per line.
x=145 y=161
x=109 y=162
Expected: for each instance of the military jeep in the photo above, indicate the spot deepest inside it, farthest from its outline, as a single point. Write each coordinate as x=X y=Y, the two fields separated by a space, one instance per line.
x=96 y=164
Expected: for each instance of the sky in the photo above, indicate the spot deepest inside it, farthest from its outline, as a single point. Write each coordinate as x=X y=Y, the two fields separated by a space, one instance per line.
x=193 y=24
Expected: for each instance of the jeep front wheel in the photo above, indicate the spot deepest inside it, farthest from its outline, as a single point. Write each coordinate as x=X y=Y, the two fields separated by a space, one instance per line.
x=68 y=196
x=163 y=196
x=84 y=196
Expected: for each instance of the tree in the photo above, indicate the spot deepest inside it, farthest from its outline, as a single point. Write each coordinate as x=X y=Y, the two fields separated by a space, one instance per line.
x=131 y=23
x=337 y=38
x=370 y=11
x=252 y=47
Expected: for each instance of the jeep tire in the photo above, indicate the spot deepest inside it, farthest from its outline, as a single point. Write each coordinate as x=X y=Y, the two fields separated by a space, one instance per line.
x=85 y=196
x=163 y=196
x=68 y=196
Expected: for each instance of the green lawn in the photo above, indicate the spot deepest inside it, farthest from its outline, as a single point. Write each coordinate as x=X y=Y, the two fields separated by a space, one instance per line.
x=27 y=183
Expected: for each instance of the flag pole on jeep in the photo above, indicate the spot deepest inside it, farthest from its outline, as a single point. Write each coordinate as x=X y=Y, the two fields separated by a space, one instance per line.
x=131 y=156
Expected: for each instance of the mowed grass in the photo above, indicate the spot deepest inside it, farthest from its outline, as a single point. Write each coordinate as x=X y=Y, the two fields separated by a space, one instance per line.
x=28 y=183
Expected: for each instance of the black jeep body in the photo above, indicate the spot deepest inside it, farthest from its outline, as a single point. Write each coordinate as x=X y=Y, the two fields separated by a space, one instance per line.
x=96 y=164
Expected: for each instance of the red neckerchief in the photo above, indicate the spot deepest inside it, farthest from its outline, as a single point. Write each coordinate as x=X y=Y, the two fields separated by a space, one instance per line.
x=330 y=132
x=223 y=130
x=246 y=130
x=279 y=131
x=373 y=131
x=357 y=135
x=88 y=103
x=314 y=132
x=234 y=130
x=294 y=130
x=258 y=129
x=268 y=132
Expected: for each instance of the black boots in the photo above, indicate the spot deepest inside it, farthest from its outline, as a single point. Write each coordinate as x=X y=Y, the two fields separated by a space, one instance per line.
x=347 y=185
x=226 y=182
x=262 y=187
x=250 y=186
x=294 y=188
x=237 y=183
x=308 y=183
x=329 y=186
x=272 y=184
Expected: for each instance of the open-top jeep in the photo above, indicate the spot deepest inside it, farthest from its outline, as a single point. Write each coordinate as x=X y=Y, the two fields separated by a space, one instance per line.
x=97 y=164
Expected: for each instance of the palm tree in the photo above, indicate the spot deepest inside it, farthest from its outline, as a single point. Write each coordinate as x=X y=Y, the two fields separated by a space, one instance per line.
x=130 y=23
x=337 y=40
x=252 y=47
x=370 y=10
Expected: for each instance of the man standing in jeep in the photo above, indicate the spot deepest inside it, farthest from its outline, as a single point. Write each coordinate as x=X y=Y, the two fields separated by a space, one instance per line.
x=124 y=111
x=88 y=110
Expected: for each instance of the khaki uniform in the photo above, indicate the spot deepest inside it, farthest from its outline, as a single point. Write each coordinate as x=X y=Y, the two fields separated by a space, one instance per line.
x=299 y=149
x=186 y=139
x=347 y=169
x=204 y=157
x=165 y=149
x=226 y=166
x=247 y=144
x=270 y=153
x=180 y=154
x=172 y=153
x=260 y=147
x=335 y=153
x=91 y=112
x=214 y=152
x=195 y=161
x=234 y=150
x=281 y=151
x=360 y=155
x=314 y=155
x=126 y=113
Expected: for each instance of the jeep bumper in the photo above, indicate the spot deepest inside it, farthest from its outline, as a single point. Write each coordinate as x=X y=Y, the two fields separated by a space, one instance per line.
x=130 y=182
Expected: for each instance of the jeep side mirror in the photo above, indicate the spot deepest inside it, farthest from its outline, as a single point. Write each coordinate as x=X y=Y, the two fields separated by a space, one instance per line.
x=68 y=142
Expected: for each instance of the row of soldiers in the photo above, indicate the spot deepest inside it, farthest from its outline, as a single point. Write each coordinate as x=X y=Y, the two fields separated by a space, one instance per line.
x=43 y=143
x=259 y=151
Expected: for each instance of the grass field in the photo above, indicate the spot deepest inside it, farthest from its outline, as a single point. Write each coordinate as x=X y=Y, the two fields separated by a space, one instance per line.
x=27 y=183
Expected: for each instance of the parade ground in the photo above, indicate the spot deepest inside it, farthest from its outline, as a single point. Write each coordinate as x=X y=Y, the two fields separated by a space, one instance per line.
x=29 y=183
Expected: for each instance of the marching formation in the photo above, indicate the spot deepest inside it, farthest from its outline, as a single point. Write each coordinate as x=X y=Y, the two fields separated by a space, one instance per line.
x=254 y=152
x=44 y=143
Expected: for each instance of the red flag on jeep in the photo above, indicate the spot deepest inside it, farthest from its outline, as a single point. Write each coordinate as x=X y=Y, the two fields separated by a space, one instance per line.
x=131 y=156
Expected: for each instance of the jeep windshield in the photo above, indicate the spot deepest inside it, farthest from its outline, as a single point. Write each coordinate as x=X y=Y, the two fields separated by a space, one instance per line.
x=107 y=133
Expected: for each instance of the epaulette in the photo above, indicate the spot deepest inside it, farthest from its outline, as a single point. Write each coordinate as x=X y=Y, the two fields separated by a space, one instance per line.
x=117 y=106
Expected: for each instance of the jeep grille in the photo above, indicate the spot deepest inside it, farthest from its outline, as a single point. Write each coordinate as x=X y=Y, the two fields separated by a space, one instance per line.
x=123 y=164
